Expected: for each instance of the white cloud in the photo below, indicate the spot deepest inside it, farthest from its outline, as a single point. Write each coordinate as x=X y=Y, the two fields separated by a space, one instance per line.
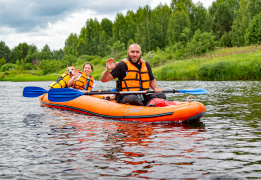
x=47 y=23
x=155 y=3
x=58 y=32
x=54 y=34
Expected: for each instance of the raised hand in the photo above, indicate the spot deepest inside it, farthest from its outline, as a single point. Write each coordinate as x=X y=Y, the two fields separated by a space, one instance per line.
x=77 y=74
x=110 y=64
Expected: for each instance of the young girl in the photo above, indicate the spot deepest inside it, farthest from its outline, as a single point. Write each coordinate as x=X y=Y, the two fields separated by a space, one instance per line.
x=83 y=80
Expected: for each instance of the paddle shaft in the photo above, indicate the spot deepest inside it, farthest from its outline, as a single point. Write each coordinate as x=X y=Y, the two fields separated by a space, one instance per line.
x=127 y=92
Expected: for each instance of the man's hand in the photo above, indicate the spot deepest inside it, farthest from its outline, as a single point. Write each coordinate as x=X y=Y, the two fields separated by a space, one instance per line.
x=106 y=76
x=110 y=64
x=157 y=90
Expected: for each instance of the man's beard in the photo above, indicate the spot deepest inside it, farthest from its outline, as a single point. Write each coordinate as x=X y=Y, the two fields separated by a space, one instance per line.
x=136 y=63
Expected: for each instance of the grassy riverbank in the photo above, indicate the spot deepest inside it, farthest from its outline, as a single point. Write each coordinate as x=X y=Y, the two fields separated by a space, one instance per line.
x=243 y=63
x=237 y=63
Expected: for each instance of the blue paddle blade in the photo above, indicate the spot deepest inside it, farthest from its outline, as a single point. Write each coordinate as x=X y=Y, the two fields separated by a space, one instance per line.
x=194 y=91
x=32 y=91
x=113 y=90
x=63 y=94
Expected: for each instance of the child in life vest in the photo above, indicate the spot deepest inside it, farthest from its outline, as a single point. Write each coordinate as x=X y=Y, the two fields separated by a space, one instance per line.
x=83 y=80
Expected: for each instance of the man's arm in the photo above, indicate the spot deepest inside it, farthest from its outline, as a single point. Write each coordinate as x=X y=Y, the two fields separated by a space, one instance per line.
x=106 y=76
x=154 y=86
x=153 y=82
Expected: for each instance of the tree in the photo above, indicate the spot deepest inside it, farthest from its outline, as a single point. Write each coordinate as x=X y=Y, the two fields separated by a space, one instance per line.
x=185 y=34
x=159 y=26
x=225 y=40
x=95 y=37
x=143 y=34
x=116 y=48
x=71 y=45
x=239 y=26
x=253 y=8
x=130 y=26
x=32 y=54
x=182 y=5
x=4 y=51
x=253 y=35
x=233 y=5
x=91 y=35
x=19 y=52
x=131 y=41
x=45 y=53
x=201 y=43
x=106 y=26
x=58 y=54
x=222 y=20
x=208 y=26
x=105 y=37
x=179 y=20
x=120 y=29
x=48 y=66
x=103 y=47
x=2 y=61
x=81 y=47
x=247 y=10
x=198 y=17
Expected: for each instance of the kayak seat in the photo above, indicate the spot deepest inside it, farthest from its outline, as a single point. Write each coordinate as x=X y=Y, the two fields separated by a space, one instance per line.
x=158 y=102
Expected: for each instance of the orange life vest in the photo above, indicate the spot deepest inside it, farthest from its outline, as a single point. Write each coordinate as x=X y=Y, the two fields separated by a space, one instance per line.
x=82 y=81
x=136 y=80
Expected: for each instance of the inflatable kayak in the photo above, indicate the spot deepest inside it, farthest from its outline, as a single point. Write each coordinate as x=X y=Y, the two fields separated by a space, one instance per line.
x=104 y=106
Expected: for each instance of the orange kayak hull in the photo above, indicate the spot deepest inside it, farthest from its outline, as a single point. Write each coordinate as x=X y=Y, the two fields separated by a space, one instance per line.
x=99 y=106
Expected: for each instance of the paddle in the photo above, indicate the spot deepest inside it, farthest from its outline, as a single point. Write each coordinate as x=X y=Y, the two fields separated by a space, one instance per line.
x=65 y=94
x=33 y=91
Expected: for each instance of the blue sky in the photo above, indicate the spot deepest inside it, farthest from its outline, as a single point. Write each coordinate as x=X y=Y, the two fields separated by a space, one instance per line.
x=41 y=22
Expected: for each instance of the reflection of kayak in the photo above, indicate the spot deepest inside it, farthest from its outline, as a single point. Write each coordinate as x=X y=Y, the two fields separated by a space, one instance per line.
x=98 y=105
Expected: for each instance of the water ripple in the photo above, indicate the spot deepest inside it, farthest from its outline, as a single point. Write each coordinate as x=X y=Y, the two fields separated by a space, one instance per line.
x=42 y=143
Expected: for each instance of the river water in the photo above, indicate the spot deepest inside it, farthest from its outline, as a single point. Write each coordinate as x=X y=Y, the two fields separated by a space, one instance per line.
x=41 y=143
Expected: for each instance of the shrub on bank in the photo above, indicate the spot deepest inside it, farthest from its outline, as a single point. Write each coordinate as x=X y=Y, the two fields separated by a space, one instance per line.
x=238 y=67
x=8 y=67
x=245 y=66
x=222 y=70
x=179 y=70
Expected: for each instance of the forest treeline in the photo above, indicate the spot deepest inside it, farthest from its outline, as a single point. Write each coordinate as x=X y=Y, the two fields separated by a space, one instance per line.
x=166 y=33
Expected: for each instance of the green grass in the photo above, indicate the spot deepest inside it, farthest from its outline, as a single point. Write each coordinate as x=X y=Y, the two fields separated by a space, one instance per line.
x=30 y=77
x=220 y=65
x=237 y=63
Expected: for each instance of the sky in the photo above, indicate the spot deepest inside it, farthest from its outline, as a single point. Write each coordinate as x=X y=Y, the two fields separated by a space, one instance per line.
x=41 y=22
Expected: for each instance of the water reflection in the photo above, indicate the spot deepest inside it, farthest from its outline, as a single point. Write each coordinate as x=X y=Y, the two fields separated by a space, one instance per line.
x=137 y=148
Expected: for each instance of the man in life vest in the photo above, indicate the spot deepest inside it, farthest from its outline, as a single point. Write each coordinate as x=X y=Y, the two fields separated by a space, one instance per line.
x=83 y=80
x=134 y=74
